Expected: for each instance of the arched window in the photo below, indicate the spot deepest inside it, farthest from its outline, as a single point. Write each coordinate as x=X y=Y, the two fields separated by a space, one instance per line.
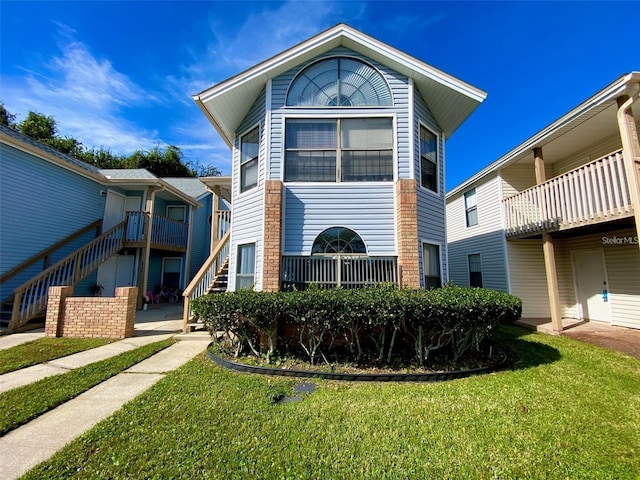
x=339 y=82
x=337 y=240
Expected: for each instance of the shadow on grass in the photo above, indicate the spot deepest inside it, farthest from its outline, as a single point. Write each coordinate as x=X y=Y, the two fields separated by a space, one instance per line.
x=522 y=353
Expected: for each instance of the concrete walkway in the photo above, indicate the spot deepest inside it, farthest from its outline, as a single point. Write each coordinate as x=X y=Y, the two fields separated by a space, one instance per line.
x=35 y=442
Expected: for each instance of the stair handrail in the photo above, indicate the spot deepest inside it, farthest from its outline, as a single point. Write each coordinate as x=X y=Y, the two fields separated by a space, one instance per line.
x=203 y=279
x=43 y=253
x=68 y=271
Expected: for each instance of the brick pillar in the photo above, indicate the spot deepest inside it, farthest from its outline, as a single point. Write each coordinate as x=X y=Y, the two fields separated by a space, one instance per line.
x=55 y=310
x=273 y=193
x=408 y=244
x=128 y=296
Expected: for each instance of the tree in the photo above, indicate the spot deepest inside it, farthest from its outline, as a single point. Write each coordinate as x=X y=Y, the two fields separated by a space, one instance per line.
x=39 y=127
x=165 y=162
x=6 y=118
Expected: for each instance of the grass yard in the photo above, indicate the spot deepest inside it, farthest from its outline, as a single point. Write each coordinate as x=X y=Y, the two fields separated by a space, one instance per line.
x=563 y=410
x=44 y=350
x=22 y=404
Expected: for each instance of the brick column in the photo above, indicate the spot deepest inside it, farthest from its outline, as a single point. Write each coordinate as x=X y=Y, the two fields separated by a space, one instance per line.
x=273 y=193
x=128 y=296
x=55 y=310
x=408 y=243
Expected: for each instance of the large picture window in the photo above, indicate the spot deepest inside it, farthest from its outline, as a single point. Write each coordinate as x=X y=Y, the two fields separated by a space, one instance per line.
x=249 y=148
x=246 y=266
x=428 y=159
x=431 y=265
x=339 y=150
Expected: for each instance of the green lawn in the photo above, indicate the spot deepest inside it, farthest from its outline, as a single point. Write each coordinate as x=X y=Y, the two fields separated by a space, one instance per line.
x=44 y=350
x=564 y=409
x=22 y=404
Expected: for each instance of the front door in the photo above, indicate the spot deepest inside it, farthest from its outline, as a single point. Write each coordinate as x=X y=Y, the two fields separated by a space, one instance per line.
x=592 y=290
x=116 y=272
x=113 y=210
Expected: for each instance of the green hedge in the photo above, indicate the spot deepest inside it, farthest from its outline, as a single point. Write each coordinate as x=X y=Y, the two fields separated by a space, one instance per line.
x=379 y=322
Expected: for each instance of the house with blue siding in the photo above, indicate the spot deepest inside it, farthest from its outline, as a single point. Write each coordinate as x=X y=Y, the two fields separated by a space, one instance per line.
x=338 y=166
x=555 y=220
x=65 y=222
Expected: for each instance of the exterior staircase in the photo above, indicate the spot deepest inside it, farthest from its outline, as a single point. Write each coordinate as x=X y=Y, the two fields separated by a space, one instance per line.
x=29 y=300
x=212 y=278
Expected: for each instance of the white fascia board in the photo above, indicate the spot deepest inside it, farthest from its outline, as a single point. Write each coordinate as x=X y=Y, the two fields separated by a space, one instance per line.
x=607 y=94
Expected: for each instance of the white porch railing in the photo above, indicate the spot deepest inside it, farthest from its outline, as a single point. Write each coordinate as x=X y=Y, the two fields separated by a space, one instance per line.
x=342 y=271
x=596 y=192
x=205 y=277
x=31 y=297
x=224 y=222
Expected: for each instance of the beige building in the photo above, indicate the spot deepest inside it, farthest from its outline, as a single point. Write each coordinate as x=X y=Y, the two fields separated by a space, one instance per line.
x=555 y=220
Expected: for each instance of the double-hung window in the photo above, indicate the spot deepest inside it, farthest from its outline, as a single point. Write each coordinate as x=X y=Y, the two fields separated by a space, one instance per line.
x=431 y=265
x=246 y=266
x=475 y=270
x=471 y=207
x=339 y=150
x=249 y=148
x=428 y=159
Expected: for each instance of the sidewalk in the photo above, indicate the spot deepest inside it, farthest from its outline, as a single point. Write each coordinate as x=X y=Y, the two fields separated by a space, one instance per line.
x=35 y=442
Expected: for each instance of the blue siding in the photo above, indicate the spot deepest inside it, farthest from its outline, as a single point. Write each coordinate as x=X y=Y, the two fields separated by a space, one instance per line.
x=200 y=235
x=431 y=206
x=399 y=88
x=41 y=203
x=367 y=209
x=248 y=207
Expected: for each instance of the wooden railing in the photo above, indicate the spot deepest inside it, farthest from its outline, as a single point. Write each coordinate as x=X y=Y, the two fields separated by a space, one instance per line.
x=31 y=297
x=224 y=222
x=298 y=272
x=165 y=232
x=205 y=277
x=596 y=192
x=45 y=254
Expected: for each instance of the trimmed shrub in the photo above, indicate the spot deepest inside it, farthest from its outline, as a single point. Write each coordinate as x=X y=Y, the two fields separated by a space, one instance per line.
x=371 y=323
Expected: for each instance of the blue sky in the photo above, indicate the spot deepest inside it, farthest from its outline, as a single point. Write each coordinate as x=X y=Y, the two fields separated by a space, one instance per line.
x=121 y=74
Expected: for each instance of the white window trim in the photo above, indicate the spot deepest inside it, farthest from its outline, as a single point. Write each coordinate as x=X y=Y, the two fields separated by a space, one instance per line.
x=466 y=209
x=481 y=267
x=439 y=164
x=255 y=262
x=184 y=211
x=322 y=107
x=239 y=157
x=334 y=116
x=439 y=245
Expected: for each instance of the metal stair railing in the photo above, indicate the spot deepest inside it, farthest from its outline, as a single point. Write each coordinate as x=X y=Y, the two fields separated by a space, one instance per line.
x=205 y=277
x=31 y=297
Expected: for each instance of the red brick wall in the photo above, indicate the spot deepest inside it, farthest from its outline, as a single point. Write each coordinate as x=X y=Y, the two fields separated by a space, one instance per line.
x=408 y=245
x=93 y=317
x=273 y=192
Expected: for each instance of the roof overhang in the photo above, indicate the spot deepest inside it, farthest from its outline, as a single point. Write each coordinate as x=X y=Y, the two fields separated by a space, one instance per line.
x=450 y=100
x=221 y=186
x=592 y=120
x=162 y=188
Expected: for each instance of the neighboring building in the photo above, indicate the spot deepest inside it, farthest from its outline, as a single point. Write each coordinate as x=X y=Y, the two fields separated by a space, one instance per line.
x=64 y=222
x=555 y=221
x=338 y=165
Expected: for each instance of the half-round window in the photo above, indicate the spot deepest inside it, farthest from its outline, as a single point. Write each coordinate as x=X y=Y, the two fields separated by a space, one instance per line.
x=339 y=82
x=336 y=240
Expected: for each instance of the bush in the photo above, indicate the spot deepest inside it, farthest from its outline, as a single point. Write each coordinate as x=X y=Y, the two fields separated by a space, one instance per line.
x=371 y=323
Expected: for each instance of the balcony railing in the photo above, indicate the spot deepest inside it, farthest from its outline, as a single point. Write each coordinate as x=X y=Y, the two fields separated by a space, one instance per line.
x=339 y=271
x=594 y=193
x=165 y=232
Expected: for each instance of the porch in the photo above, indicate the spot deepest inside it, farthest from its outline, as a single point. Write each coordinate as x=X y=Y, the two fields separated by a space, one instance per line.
x=166 y=233
x=594 y=193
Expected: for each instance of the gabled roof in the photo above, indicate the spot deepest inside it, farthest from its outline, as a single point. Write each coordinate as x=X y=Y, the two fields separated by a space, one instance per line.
x=121 y=177
x=593 y=119
x=450 y=100
x=189 y=185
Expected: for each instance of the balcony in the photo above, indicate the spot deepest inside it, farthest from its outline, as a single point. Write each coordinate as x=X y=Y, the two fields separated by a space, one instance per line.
x=594 y=193
x=166 y=233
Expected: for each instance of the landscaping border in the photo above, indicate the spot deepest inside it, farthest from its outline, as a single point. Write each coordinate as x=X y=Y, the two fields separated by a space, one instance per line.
x=361 y=377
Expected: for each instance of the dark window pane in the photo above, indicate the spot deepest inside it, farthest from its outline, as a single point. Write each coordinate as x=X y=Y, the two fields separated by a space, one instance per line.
x=367 y=166
x=310 y=166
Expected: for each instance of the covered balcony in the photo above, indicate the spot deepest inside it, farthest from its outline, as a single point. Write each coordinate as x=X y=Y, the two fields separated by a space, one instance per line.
x=594 y=193
x=166 y=233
